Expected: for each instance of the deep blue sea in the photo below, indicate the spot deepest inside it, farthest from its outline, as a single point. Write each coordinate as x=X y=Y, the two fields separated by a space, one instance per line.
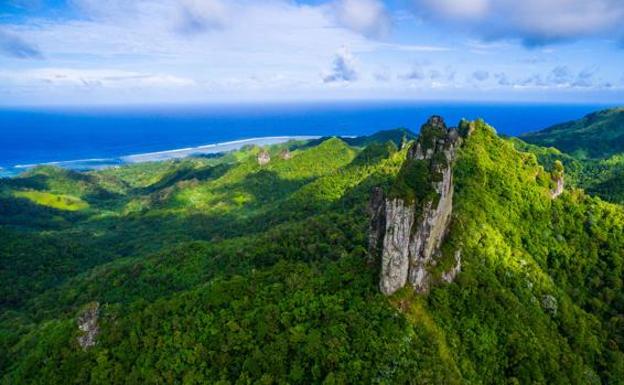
x=41 y=135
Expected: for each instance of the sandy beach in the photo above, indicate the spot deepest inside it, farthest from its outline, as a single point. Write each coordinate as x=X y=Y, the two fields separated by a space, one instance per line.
x=210 y=148
x=97 y=164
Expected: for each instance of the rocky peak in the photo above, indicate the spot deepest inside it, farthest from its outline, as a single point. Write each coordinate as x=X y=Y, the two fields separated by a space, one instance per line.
x=409 y=225
x=285 y=154
x=264 y=157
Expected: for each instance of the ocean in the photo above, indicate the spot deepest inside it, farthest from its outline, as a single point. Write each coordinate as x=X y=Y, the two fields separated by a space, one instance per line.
x=91 y=137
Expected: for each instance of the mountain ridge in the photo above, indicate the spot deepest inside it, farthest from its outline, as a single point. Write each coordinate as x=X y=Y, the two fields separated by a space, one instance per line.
x=261 y=273
x=597 y=135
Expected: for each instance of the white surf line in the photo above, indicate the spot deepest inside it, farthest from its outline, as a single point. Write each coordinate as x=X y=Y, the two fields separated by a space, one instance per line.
x=170 y=154
x=210 y=148
x=61 y=162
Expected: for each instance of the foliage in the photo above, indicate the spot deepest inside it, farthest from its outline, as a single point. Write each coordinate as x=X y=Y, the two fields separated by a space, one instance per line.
x=219 y=270
x=56 y=201
x=601 y=177
x=597 y=135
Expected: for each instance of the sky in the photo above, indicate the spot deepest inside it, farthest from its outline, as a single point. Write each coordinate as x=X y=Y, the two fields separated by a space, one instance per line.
x=80 y=52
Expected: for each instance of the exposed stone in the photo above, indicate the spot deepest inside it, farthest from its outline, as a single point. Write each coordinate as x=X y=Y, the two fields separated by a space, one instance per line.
x=264 y=157
x=412 y=233
x=285 y=154
x=88 y=324
x=559 y=186
x=395 y=261
x=558 y=179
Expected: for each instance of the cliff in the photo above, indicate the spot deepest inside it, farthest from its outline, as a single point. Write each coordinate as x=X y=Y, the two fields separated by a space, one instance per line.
x=558 y=180
x=409 y=225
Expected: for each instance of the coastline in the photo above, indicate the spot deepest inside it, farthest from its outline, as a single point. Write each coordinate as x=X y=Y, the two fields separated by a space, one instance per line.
x=157 y=156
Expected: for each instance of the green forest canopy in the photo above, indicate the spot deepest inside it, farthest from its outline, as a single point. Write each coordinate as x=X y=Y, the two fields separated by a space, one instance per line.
x=219 y=270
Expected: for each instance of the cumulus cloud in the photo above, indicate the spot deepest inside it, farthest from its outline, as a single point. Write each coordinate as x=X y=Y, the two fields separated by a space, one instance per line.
x=564 y=77
x=416 y=73
x=561 y=75
x=14 y=46
x=502 y=79
x=202 y=15
x=481 y=75
x=455 y=9
x=382 y=75
x=585 y=78
x=535 y=22
x=368 y=17
x=422 y=71
x=343 y=69
x=435 y=74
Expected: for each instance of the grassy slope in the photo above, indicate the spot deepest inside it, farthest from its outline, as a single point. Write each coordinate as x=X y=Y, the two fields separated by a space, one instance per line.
x=56 y=201
x=274 y=288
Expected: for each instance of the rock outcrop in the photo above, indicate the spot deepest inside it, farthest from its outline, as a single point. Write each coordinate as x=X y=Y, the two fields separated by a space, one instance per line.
x=558 y=180
x=264 y=157
x=285 y=154
x=408 y=226
x=88 y=325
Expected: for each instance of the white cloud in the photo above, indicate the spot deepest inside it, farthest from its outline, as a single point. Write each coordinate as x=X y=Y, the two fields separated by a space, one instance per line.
x=139 y=50
x=560 y=77
x=502 y=79
x=276 y=46
x=368 y=17
x=343 y=68
x=481 y=75
x=107 y=78
x=202 y=15
x=456 y=9
x=14 y=46
x=535 y=22
x=415 y=73
x=101 y=9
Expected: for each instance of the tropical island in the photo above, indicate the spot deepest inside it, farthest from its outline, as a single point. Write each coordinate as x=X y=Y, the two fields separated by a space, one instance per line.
x=455 y=256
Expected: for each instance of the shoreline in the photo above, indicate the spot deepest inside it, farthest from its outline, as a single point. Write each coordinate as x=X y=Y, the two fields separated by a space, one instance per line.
x=156 y=156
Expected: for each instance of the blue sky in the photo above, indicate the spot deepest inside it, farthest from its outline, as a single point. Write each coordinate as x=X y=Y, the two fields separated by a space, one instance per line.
x=195 y=51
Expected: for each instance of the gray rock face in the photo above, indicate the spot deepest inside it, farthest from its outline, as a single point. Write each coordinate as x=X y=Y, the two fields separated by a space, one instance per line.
x=264 y=158
x=395 y=258
x=88 y=324
x=411 y=233
x=560 y=186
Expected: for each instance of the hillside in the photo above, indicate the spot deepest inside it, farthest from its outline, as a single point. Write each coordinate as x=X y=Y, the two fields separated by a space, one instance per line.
x=226 y=271
x=597 y=135
x=600 y=177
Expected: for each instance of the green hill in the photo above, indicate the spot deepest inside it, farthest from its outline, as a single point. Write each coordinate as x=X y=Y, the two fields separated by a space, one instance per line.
x=397 y=136
x=593 y=152
x=225 y=271
x=597 y=135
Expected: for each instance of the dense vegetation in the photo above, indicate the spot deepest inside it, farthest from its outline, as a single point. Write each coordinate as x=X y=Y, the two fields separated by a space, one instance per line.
x=597 y=135
x=218 y=270
x=593 y=152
